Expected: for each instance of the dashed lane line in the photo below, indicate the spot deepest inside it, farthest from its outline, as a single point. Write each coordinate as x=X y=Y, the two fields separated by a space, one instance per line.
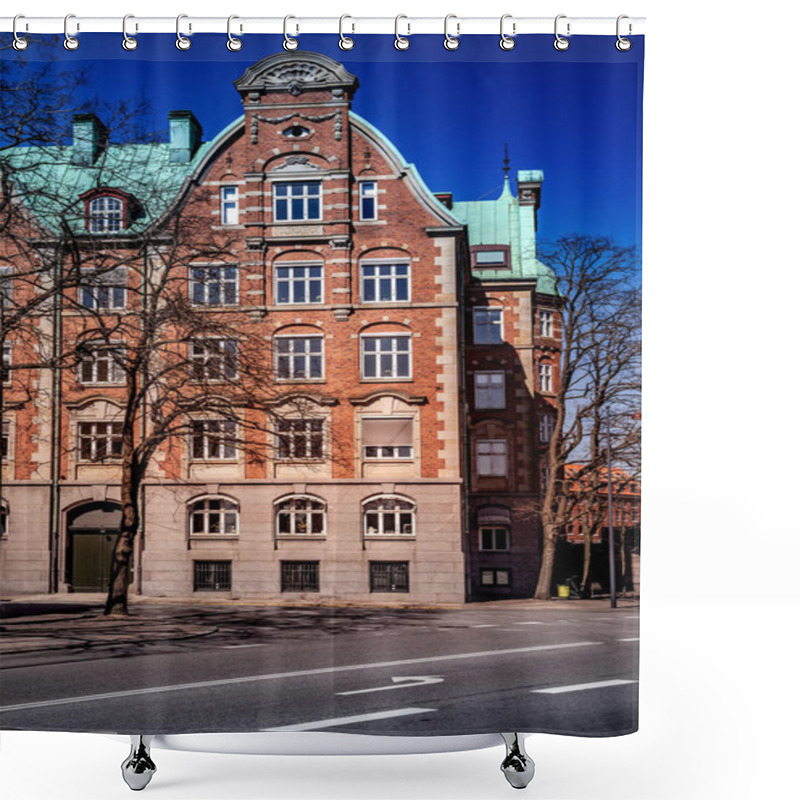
x=337 y=721
x=582 y=687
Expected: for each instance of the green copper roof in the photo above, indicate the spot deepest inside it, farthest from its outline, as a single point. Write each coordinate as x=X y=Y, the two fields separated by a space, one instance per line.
x=504 y=221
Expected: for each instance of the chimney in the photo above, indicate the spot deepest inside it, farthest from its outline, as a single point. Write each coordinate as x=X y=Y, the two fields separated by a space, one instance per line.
x=89 y=138
x=185 y=134
x=529 y=187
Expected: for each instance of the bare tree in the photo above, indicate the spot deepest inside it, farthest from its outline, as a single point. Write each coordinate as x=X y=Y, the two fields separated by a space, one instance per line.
x=598 y=288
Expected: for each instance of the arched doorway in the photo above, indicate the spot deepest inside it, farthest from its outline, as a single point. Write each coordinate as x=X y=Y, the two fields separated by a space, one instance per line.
x=92 y=531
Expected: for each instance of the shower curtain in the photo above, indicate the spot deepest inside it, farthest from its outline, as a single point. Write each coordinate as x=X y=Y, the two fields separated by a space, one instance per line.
x=321 y=385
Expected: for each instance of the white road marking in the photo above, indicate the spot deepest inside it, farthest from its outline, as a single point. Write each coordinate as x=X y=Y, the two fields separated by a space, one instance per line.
x=330 y=723
x=483 y=626
x=182 y=687
x=632 y=639
x=580 y=687
x=529 y=623
x=399 y=683
x=241 y=646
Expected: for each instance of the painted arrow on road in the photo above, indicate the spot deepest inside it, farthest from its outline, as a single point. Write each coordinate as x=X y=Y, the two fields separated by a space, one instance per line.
x=400 y=683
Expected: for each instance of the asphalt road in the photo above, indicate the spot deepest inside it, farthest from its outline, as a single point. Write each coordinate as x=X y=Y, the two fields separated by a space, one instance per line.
x=398 y=672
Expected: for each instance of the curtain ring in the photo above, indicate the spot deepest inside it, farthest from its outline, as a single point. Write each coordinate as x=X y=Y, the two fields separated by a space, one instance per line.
x=507 y=42
x=345 y=42
x=451 y=42
x=128 y=42
x=181 y=42
x=622 y=44
x=288 y=42
x=400 y=42
x=233 y=44
x=70 y=42
x=561 y=43
x=19 y=42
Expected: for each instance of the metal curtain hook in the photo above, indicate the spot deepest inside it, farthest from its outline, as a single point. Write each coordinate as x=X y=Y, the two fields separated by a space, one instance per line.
x=400 y=42
x=451 y=42
x=70 y=42
x=128 y=42
x=345 y=42
x=181 y=42
x=622 y=44
x=19 y=42
x=233 y=44
x=506 y=42
x=561 y=43
x=288 y=42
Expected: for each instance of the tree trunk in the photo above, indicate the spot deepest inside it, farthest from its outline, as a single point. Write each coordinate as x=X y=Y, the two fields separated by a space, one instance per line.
x=587 y=559
x=117 y=601
x=550 y=538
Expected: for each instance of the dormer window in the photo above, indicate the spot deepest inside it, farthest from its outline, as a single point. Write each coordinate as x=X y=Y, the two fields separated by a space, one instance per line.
x=296 y=132
x=107 y=210
x=493 y=256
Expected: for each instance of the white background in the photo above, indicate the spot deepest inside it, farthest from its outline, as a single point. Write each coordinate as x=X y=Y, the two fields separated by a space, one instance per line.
x=720 y=612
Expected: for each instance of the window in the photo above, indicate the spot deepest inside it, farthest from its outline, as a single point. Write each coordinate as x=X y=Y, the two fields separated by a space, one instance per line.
x=3 y=521
x=487 y=325
x=101 y=364
x=388 y=515
x=214 y=515
x=384 y=283
x=214 y=359
x=98 y=441
x=300 y=438
x=212 y=576
x=6 y=365
x=213 y=440
x=229 y=205
x=299 y=200
x=547 y=425
x=492 y=457
x=5 y=441
x=299 y=357
x=385 y=357
x=491 y=256
x=388 y=576
x=105 y=214
x=104 y=289
x=6 y=287
x=368 y=200
x=299 y=576
x=545 y=378
x=545 y=323
x=214 y=286
x=298 y=285
x=493 y=538
x=490 y=390
x=388 y=437
x=300 y=515
x=296 y=132
x=496 y=577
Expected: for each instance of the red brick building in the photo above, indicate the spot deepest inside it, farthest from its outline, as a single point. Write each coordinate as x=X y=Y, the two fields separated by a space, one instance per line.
x=413 y=346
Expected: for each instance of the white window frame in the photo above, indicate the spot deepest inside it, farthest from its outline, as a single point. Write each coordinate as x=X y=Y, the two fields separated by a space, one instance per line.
x=494 y=529
x=487 y=462
x=393 y=353
x=489 y=325
x=228 y=510
x=291 y=357
x=545 y=322
x=394 y=455
x=104 y=290
x=304 y=279
x=381 y=506
x=304 y=429
x=305 y=196
x=214 y=352
x=484 y=394
x=545 y=377
x=223 y=440
x=229 y=204
x=106 y=214
x=365 y=193
x=301 y=506
x=393 y=278
x=101 y=352
x=95 y=431
x=223 y=276
x=5 y=435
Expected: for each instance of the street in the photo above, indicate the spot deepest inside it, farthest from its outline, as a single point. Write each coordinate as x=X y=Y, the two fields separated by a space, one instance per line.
x=552 y=667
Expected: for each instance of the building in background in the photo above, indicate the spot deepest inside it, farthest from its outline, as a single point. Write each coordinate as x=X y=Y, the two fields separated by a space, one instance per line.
x=415 y=348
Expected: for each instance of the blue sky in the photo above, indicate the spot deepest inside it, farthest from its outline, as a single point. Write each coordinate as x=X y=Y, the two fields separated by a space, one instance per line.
x=576 y=115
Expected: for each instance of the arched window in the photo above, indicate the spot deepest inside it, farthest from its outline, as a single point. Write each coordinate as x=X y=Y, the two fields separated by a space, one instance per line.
x=105 y=214
x=214 y=515
x=389 y=515
x=300 y=514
